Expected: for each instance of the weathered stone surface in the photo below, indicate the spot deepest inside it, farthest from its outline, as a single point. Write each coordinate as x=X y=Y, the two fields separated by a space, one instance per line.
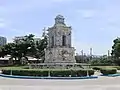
x=59 y=48
x=60 y=55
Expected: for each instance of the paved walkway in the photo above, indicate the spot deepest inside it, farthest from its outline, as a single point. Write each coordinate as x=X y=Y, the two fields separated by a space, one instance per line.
x=102 y=83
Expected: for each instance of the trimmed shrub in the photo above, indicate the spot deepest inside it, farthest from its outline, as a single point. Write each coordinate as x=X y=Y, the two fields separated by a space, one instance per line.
x=117 y=67
x=81 y=72
x=25 y=67
x=52 y=73
x=108 y=71
x=91 y=72
x=84 y=72
x=60 y=73
x=26 y=72
x=96 y=68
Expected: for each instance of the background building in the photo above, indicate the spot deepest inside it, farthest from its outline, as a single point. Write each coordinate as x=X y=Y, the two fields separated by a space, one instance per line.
x=36 y=40
x=3 y=41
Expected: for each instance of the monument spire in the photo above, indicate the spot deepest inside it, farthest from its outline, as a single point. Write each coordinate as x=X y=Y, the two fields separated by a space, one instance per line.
x=59 y=20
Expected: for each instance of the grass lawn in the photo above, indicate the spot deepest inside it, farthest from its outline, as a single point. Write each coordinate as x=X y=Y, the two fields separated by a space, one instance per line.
x=118 y=67
x=13 y=67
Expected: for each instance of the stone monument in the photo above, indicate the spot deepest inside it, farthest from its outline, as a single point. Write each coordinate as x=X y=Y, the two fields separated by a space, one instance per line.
x=59 y=50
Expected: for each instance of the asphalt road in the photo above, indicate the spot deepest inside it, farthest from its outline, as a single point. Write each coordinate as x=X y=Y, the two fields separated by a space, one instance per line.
x=102 y=83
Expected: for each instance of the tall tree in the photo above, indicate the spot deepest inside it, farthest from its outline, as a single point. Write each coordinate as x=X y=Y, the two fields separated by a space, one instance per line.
x=40 y=48
x=116 y=51
x=2 y=52
x=25 y=46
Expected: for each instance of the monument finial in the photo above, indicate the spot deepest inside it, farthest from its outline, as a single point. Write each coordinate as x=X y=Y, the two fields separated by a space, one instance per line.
x=59 y=19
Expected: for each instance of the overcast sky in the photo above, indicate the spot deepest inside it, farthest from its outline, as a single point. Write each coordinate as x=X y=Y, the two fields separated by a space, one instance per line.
x=95 y=23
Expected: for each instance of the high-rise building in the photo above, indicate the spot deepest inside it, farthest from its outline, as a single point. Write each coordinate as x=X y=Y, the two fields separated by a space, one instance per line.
x=3 y=41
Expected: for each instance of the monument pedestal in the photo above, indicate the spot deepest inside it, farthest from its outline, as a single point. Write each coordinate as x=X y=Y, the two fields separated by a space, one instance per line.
x=59 y=55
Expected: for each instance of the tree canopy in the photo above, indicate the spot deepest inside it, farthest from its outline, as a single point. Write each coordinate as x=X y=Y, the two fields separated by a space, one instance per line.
x=23 y=47
x=116 y=51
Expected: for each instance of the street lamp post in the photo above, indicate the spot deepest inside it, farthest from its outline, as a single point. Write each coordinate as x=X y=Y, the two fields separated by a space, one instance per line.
x=11 y=72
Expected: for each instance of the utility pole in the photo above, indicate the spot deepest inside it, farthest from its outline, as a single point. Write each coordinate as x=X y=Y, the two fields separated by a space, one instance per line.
x=90 y=53
x=82 y=54
x=44 y=32
x=108 y=55
x=84 y=57
x=108 y=52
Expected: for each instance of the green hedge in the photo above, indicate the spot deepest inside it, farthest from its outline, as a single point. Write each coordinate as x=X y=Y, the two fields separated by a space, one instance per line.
x=101 y=64
x=53 y=73
x=107 y=71
x=26 y=72
x=96 y=68
x=117 y=67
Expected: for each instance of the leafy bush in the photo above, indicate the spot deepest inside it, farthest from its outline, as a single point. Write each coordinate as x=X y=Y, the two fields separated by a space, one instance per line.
x=53 y=73
x=107 y=71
